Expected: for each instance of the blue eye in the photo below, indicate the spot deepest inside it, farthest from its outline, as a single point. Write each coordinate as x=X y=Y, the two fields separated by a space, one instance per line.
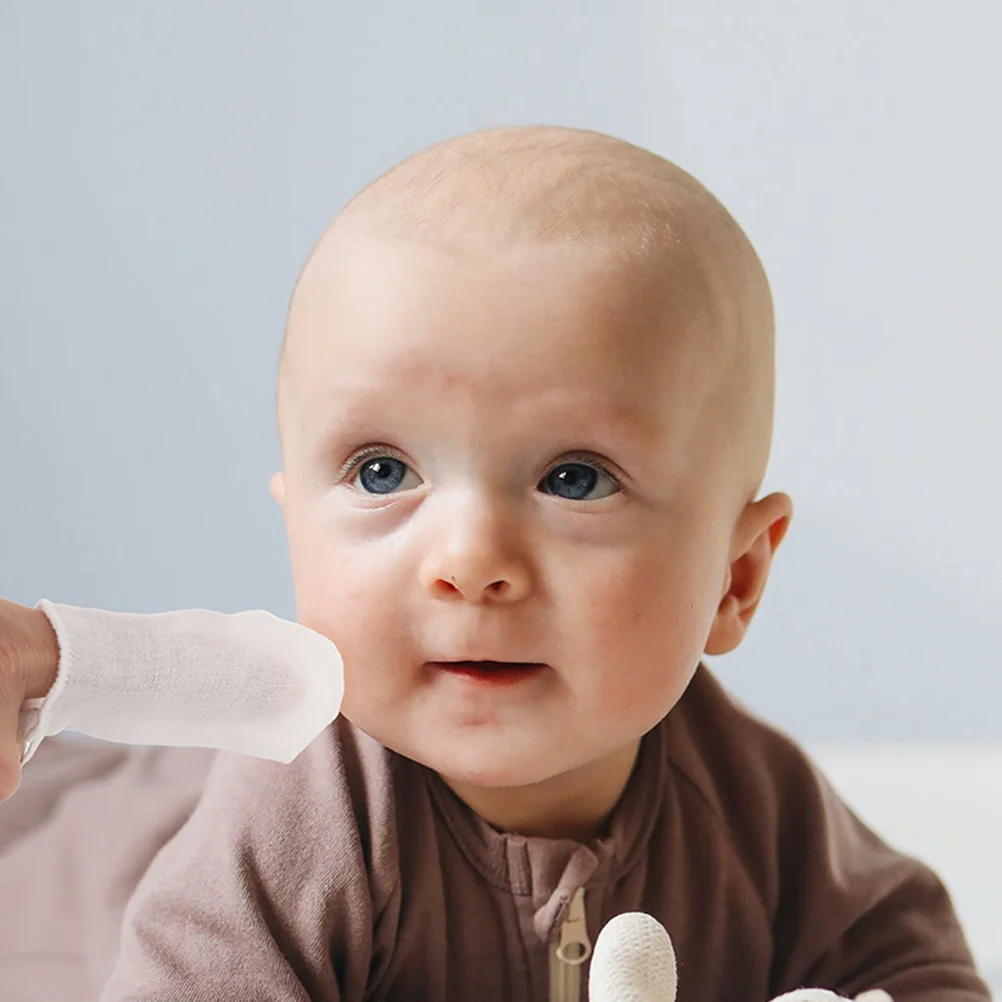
x=576 y=481
x=384 y=475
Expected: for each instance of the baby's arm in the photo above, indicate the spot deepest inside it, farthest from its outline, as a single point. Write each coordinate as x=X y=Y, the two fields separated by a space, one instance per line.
x=263 y=894
x=854 y=914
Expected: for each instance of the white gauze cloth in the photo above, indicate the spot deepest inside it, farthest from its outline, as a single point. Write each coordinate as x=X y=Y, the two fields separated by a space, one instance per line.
x=249 y=683
x=634 y=961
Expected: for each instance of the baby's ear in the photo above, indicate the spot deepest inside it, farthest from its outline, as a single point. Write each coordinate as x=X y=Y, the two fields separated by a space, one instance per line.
x=757 y=536
x=276 y=487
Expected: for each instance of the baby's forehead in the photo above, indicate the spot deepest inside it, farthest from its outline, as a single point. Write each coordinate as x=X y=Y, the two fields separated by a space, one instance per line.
x=405 y=302
x=526 y=347
x=669 y=248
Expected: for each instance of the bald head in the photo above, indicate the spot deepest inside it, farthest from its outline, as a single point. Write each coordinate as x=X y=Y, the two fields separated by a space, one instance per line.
x=500 y=189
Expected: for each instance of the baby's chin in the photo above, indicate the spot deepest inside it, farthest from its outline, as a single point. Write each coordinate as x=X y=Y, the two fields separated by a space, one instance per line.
x=495 y=761
x=488 y=758
x=491 y=772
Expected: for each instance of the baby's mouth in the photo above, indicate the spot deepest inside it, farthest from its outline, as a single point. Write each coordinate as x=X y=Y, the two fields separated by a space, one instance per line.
x=491 y=672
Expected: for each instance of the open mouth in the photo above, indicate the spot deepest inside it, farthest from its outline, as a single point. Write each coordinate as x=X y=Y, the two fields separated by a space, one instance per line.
x=492 y=672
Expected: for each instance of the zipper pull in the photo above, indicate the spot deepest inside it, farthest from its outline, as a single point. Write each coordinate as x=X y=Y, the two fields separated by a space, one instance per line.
x=571 y=950
x=574 y=946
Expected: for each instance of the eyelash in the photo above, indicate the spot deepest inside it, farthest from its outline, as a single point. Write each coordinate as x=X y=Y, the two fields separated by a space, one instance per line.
x=376 y=451
x=369 y=452
x=586 y=460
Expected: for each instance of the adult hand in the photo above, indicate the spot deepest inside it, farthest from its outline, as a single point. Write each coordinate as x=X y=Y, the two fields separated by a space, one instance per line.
x=29 y=661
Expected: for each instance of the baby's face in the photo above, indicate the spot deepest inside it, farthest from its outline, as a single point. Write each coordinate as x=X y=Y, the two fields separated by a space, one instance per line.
x=502 y=460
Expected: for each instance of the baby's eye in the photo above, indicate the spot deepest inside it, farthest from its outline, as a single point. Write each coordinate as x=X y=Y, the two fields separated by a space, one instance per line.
x=576 y=481
x=384 y=475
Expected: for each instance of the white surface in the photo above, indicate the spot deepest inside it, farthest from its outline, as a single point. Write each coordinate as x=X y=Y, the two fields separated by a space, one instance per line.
x=942 y=805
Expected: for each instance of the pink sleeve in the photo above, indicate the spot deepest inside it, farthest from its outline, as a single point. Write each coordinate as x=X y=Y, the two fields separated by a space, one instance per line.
x=263 y=894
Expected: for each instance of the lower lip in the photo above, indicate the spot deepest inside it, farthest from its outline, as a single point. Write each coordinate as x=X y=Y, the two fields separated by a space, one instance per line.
x=506 y=675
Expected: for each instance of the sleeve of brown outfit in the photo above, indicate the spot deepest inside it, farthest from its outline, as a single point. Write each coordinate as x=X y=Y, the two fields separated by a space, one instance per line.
x=264 y=893
x=854 y=914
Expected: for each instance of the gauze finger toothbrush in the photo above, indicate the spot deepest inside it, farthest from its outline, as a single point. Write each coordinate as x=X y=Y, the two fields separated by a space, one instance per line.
x=250 y=683
x=634 y=961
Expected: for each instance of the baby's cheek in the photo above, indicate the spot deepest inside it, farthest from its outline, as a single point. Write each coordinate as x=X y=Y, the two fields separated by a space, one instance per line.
x=356 y=611
x=646 y=631
x=330 y=601
x=629 y=598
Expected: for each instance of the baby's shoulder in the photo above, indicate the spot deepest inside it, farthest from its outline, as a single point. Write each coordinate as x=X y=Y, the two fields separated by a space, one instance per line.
x=297 y=864
x=755 y=780
x=334 y=806
x=343 y=778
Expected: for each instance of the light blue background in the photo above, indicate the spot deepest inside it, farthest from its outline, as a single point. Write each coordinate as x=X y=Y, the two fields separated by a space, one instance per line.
x=166 y=168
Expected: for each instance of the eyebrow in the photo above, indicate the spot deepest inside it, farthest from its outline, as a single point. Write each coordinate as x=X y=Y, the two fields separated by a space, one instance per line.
x=622 y=429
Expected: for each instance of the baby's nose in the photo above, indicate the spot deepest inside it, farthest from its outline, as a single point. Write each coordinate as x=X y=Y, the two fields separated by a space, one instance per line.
x=500 y=588
x=478 y=558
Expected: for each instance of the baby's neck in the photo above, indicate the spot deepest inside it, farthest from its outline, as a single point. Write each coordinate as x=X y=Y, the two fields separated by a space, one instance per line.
x=574 y=805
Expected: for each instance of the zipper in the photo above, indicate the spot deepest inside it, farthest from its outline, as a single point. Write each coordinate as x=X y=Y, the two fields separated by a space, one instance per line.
x=569 y=951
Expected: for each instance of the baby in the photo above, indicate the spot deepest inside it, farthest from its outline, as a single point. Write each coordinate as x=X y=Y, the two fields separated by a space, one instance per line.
x=525 y=402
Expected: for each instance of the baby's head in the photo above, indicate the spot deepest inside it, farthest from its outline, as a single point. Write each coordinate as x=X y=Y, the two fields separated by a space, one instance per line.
x=525 y=403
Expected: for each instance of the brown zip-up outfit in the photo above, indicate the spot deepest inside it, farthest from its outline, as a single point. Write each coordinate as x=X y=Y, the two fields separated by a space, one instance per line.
x=354 y=873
